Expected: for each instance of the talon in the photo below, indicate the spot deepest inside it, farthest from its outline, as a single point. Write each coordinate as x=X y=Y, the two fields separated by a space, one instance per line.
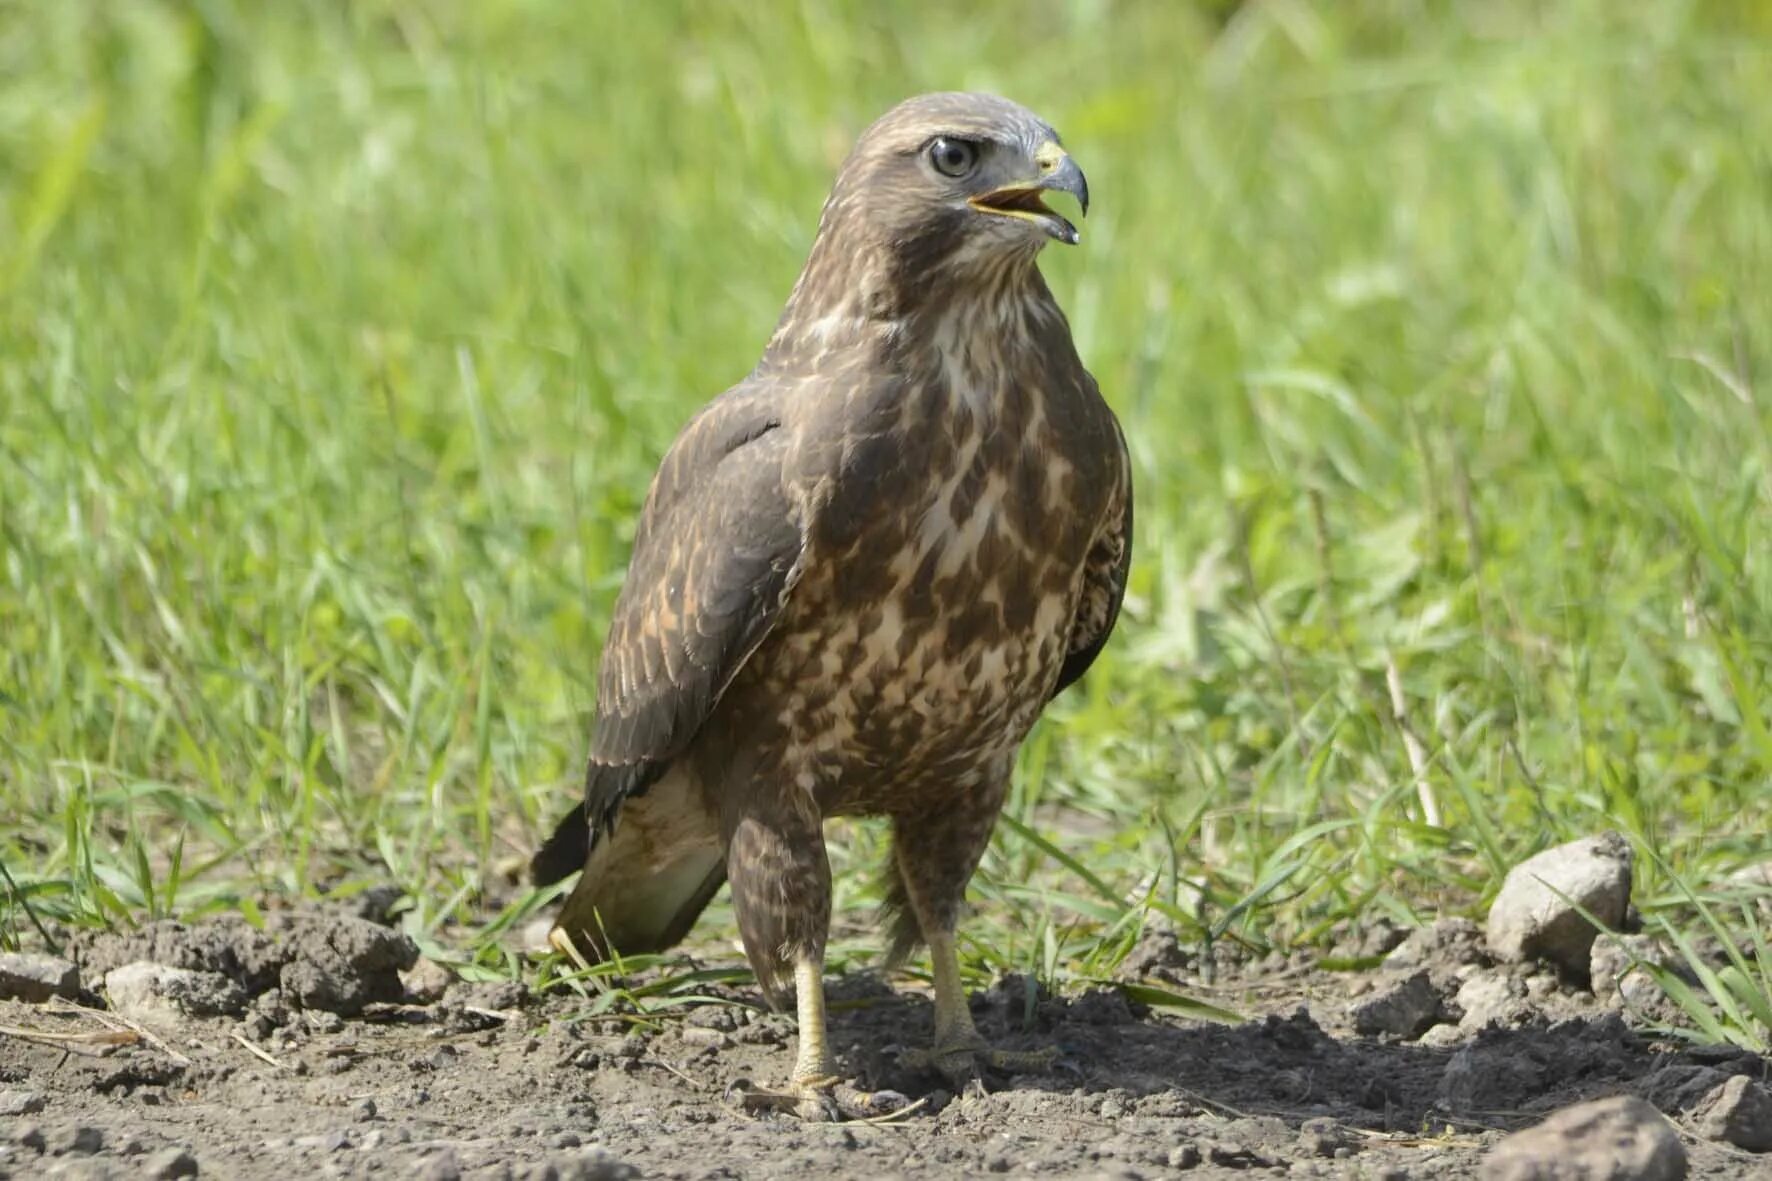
x=964 y=1063
x=818 y=1101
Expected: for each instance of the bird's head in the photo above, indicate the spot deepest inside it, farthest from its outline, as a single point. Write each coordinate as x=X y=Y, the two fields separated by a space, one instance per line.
x=960 y=174
x=941 y=203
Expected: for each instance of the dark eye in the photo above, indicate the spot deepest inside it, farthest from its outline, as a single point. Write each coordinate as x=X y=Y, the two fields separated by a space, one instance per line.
x=953 y=157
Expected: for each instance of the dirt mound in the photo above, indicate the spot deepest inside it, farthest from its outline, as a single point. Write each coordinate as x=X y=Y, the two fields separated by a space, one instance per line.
x=487 y=1081
x=333 y=962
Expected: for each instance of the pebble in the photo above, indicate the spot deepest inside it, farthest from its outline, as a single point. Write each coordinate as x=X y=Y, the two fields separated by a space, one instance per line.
x=1621 y=1138
x=13 y=1103
x=1324 y=1137
x=1184 y=1156
x=1739 y=1112
x=697 y=1035
x=426 y=981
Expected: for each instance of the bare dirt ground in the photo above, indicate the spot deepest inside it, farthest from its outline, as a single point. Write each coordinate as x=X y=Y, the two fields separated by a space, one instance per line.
x=317 y=1060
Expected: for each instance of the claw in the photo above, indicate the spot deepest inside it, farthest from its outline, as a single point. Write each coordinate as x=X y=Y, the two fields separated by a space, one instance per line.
x=964 y=1063
x=818 y=1101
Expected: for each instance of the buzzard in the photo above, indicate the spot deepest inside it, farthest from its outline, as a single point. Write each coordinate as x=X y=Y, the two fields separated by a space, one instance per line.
x=858 y=577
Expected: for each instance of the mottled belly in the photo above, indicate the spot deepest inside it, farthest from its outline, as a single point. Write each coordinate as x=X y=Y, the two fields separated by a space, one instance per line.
x=893 y=702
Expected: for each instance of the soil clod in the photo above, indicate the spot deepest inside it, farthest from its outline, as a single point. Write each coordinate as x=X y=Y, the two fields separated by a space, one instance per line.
x=34 y=978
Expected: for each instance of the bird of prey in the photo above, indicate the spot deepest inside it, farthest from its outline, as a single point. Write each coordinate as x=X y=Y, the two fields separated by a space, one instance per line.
x=858 y=577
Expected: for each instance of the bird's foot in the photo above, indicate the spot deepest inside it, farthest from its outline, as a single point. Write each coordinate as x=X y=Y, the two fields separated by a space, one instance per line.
x=820 y=1100
x=966 y=1062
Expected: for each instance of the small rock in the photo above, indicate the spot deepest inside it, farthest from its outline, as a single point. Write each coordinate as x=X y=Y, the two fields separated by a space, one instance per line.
x=149 y=992
x=1616 y=972
x=1404 y=1008
x=22 y=1102
x=170 y=1163
x=1739 y=1112
x=1535 y=916
x=1622 y=1138
x=25 y=976
x=1184 y=1156
x=695 y=1035
x=1443 y=1036
x=273 y=1005
x=1114 y=1105
x=363 y=1110
x=29 y=1135
x=1491 y=998
x=77 y=1140
x=1323 y=1137
x=426 y=981
x=1541 y=986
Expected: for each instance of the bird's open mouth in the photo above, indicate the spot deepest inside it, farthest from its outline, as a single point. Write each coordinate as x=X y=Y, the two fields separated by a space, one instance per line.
x=1024 y=201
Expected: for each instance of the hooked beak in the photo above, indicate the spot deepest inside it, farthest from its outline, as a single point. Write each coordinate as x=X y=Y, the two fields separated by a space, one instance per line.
x=1058 y=173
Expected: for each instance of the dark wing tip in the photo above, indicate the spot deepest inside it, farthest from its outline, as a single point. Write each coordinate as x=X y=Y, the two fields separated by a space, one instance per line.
x=565 y=852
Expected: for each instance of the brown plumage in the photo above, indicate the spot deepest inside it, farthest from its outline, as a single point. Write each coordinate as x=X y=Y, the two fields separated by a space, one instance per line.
x=859 y=576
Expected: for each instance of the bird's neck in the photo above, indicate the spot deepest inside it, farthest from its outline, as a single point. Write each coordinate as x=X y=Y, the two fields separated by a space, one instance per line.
x=866 y=299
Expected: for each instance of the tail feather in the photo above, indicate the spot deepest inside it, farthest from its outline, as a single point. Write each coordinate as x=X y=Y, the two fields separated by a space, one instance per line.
x=563 y=853
x=647 y=879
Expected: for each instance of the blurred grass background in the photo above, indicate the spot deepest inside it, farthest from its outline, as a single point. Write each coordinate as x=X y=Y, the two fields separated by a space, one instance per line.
x=338 y=342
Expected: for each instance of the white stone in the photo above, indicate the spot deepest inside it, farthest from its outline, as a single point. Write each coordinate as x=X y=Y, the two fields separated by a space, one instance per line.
x=1536 y=915
x=146 y=991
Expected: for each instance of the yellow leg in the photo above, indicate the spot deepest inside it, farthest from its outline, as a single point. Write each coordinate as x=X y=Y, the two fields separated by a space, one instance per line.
x=813 y=1065
x=953 y=1012
x=816 y=1091
x=959 y=1052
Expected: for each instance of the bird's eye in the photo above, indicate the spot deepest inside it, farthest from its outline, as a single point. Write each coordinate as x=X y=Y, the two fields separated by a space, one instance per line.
x=953 y=157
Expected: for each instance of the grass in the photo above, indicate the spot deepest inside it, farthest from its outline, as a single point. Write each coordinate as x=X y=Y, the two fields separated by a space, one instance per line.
x=338 y=343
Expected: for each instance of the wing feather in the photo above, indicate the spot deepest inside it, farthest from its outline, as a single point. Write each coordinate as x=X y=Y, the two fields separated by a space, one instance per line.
x=1104 y=580
x=716 y=552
